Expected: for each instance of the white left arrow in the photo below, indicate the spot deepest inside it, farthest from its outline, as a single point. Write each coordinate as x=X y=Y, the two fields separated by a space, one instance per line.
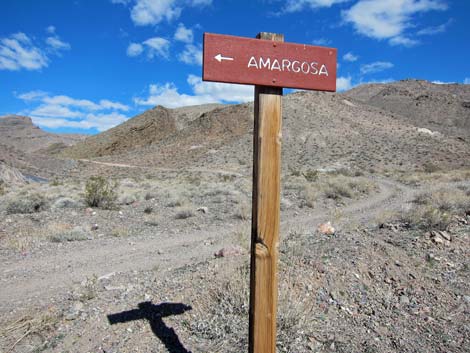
x=219 y=58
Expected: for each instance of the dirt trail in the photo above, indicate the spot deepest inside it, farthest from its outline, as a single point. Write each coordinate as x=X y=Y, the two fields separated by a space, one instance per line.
x=40 y=277
x=197 y=170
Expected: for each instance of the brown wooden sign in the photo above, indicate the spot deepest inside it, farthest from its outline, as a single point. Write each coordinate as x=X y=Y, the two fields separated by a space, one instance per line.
x=268 y=63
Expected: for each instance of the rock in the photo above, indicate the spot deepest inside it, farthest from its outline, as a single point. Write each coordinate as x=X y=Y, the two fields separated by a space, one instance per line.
x=404 y=300
x=65 y=202
x=445 y=235
x=233 y=250
x=285 y=204
x=326 y=228
x=203 y=210
x=74 y=311
x=436 y=238
x=94 y=227
x=106 y=276
x=127 y=199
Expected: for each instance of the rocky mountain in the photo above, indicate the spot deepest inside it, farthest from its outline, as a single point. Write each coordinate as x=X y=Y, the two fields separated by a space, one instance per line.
x=20 y=132
x=142 y=131
x=320 y=131
x=444 y=108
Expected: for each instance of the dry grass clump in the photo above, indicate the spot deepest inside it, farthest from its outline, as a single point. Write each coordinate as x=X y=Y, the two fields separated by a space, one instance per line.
x=221 y=315
x=243 y=211
x=435 y=209
x=309 y=196
x=68 y=235
x=39 y=325
x=340 y=186
x=418 y=178
x=24 y=203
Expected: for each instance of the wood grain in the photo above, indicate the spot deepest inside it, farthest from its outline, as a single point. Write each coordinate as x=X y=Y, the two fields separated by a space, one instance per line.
x=265 y=217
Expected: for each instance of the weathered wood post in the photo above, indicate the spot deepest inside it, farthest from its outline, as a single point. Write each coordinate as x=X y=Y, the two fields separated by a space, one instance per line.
x=270 y=64
x=265 y=214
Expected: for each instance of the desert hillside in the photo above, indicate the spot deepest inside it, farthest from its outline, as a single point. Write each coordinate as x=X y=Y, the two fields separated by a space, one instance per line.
x=320 y=131
x=444 y=108
x=20 y=132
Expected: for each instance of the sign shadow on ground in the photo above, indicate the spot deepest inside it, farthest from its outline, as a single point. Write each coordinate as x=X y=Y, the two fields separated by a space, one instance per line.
x=154 y=314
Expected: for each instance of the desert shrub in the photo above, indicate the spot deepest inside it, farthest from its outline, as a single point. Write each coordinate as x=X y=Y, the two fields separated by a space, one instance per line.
x=150 y=196
x=75 y=234
x=148 y=209
x=430 y=167
x=310 y=175
x=99 y=192
x=427 y=217
x=338 y=188
x=309 y=196
x=222 y=314
x=29 y=203
x=2 y=188
x=184 y=213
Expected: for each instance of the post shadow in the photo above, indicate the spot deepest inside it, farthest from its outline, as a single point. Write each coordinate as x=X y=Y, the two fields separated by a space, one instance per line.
x=155 y=314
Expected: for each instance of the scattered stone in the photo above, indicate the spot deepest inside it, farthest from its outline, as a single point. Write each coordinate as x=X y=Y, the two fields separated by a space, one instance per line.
x=65 y=202
x=229 y=251
x=106 y=276
x=127 y=200
x=94 y=227
x=74 y=311
x=326 y=228
x=203 y=210
x=404 y=300
x=445 y=235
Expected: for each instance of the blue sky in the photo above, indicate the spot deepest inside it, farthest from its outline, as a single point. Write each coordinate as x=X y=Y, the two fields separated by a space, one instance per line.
x=87 y=65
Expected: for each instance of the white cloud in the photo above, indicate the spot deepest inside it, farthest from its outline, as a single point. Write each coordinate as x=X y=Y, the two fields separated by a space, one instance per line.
x=184 y=34
x=350 y=57
x=100 y=122
x=203 y=93
x=191 y=55
x=343 y=83
x=152 y=12
x=50 y=29
x=375 y=67
x=18 y=52
x=467 y=81
x=56 y=44
x=134 y=49
x=157 y=47
x=321 y=41
x=222 y=92
x=64 y=111
x=54 y=110
x=405 y=41
x=429 y=31
x=200 y=2
x=153 y=47
x=299 y=5
x=389 y=19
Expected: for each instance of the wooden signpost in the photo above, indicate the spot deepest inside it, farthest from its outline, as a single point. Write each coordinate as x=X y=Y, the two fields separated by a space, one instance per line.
x=270 y=64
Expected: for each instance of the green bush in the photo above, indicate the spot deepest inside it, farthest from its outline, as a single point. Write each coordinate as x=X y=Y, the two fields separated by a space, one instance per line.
x=99 y=192
x=24 y=204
